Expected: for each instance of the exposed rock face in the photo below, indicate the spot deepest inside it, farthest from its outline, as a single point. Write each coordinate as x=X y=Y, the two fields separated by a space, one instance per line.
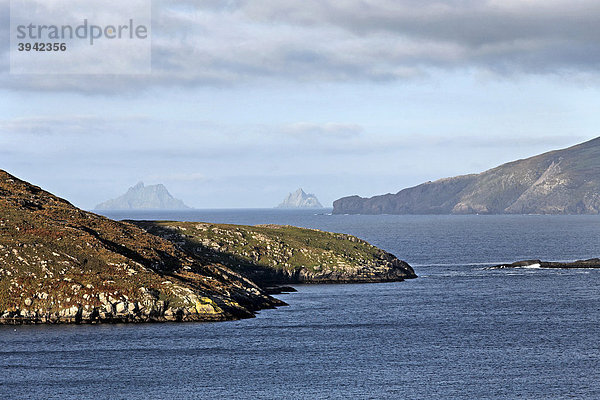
x=274 y=254
x=559 y=182
x=140 y=197
x=591 y=263
x=299 y=199
x=61 y=264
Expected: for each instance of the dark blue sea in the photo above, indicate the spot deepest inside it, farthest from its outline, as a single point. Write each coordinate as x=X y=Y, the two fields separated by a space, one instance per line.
x=459 y=331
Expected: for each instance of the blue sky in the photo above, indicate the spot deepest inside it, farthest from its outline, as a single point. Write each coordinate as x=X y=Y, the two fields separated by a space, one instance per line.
x=249 y=100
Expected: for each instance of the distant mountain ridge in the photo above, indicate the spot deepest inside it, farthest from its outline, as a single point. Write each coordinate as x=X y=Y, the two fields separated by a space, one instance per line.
x=140 y=197
x=300 y=199
x=564 y=181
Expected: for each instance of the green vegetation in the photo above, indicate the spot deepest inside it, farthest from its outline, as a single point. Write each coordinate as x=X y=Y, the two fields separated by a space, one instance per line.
x=62 y=264
x=280 y=254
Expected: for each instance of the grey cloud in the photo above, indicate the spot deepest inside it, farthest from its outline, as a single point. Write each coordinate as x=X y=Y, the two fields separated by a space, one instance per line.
x=532 y=36
x=472 y=22
x=235 y=42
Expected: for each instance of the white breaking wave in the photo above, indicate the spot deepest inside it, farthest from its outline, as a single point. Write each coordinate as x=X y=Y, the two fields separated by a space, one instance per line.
x=532 y=266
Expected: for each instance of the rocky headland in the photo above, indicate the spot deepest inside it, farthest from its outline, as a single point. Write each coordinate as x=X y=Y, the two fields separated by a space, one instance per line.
x=60 y=264
x=565 y=181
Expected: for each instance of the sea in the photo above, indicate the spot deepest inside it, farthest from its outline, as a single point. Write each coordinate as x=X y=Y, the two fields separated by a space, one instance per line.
x=459 y=331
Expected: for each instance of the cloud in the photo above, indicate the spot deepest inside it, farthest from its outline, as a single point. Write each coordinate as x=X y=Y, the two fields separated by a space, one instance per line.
x=178 y=177
x=199 y=43
x=67 y=125
x=142 y=137
x=481 y=141
x=307 y=130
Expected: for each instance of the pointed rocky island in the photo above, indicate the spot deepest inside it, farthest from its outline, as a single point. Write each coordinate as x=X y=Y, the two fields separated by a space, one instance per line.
x=300 y=199
x=60 y=264
x=564 y=181
x=141 y=197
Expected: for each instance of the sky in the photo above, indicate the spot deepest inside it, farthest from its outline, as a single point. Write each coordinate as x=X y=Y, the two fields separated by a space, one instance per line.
x=249 y=100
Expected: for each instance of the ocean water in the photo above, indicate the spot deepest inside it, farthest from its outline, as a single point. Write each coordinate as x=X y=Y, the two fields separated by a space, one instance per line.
x=459 y=331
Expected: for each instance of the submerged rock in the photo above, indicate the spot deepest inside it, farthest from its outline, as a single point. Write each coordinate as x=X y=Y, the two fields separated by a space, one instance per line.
x=591 y=263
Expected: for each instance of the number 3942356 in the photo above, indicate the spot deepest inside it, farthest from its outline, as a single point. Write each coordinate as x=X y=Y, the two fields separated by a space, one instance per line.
x=42 y=47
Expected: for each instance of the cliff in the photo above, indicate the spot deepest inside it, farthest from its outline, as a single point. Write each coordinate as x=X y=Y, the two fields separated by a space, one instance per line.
x=559 y=182
x=274 y=254
x=62 y=264
x=140 y=197
x=300 y=199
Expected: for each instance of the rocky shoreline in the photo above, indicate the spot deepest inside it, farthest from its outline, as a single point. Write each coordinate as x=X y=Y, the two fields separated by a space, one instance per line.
x=591 y=263
x=115 y=311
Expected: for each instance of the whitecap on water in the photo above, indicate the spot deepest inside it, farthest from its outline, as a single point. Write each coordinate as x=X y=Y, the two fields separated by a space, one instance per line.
x=532 y=266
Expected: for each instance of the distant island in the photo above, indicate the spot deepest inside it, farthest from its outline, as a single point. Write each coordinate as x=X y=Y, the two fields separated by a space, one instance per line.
x=140 y=197
x=61 y=264
x=300 y=199
x=558 y=182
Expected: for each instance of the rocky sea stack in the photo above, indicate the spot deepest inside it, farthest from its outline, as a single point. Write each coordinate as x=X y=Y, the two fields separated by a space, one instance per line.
x=141 y=197
x=300 y=199
x=559 y=182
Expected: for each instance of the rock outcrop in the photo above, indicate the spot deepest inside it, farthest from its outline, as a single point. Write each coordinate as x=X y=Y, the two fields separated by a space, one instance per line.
x=300 y=199
x=140 y=197
x=275 y=254
x=591 y=263
x=559 y=182
x=60 y=264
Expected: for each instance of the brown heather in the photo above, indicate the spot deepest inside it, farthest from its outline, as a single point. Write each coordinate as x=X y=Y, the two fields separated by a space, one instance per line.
x=60 y=264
